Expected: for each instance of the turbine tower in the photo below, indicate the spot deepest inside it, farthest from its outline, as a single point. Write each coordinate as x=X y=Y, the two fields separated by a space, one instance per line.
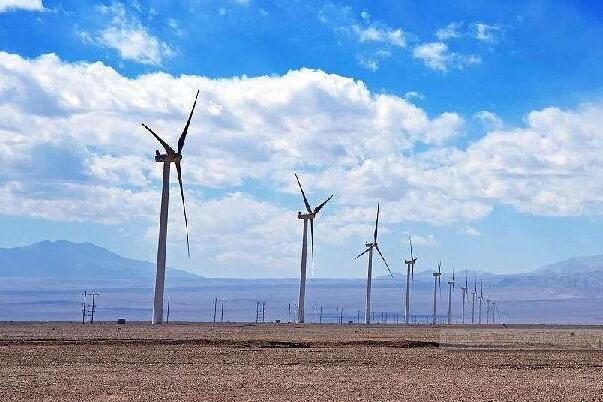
x=410 y=270
x=474 y=293
x=450 y=287
x=464 y=292
x=436 y=285
x=369 y=249
x=309 y=216
x=480 y=297
x=167 y=159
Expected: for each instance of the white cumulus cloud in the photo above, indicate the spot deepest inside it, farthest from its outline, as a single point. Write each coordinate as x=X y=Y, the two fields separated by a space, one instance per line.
x=29 y=5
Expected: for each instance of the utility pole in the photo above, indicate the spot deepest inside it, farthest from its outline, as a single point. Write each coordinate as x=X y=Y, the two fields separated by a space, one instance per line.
x=167 y=318
x=84 y=301
x=88 y=309
x=93 y=307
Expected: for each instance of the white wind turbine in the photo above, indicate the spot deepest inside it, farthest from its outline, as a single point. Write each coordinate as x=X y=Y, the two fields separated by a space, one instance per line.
x=480 y=297
x=464 y=290
x=450 y=287
x=410 y=269
x=436 y=285
x=474 y=294
x=369 y=249
x=167 y=159
x=309 y=216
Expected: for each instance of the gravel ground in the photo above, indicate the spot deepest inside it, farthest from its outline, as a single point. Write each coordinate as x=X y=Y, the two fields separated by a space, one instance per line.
x=287 y=362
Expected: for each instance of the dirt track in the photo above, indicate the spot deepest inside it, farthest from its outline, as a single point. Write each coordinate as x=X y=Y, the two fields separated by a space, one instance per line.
x=106 y=362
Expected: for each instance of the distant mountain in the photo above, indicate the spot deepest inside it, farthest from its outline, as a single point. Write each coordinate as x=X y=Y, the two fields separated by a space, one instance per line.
x=64 y=260
x=583 y=265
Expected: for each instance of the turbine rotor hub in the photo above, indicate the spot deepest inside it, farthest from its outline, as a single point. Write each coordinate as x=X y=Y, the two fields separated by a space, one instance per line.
x=305 y=216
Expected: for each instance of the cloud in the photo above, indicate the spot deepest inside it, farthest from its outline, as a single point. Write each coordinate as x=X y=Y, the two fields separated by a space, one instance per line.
x=28 y=5
x=436 y=55
x=375 y=40
x=550 y=167
x=486 y=33
x=428 y=240
x=471 y=231
x=452 y=30
x=369 y=64
x=342 y=138
x=386 y=35
x=126 y=34
x=490 y=120
x=78 y=124
x=413 y=94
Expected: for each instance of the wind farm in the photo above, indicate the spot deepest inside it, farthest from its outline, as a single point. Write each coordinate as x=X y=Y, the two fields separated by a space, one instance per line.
x=257 y=200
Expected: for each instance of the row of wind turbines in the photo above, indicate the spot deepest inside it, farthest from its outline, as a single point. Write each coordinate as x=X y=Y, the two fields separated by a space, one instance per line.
x=171 y=156
x=410 y=267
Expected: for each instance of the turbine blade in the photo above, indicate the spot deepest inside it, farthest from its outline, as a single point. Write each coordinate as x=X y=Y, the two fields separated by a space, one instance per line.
x=318 y=208
x=376 y=224
x=308 y=208
x=363 y=253
x=165 y=145
x=410 y=241
x=188 y=123
x=179 y=169
x=385 y=262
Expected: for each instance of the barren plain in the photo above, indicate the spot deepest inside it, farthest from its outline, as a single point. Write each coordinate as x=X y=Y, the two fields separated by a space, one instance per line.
x=290 y=362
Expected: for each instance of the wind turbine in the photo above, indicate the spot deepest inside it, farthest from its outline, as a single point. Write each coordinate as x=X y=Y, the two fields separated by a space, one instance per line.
x=473 y=300
x=494 y=311
x=436 y=285
x=450 y=287
x=464 y=292
x=480 y=297
x=309 y=216
x=369 y=249
x=167 y=159
x=410 y=271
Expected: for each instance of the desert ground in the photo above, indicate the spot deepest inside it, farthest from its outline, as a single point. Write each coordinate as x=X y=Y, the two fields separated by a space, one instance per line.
x=291 y=362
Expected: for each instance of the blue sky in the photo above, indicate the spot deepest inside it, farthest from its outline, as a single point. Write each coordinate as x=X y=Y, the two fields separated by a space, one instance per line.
x=478 y=127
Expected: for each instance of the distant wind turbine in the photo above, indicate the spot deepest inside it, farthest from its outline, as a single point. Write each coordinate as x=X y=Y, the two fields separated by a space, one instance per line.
x=309 y=216
x=464 y=292
x=488 y=305
x=436 y=285
x=474 y=293
x=494 y=312
x=410 y=269
x=369 y=249
x=450 y=287
x=167 y=159
x=480 y=297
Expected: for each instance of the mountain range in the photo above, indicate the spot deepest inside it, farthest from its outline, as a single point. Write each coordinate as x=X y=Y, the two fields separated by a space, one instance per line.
x=64 y=260
x=44 y=281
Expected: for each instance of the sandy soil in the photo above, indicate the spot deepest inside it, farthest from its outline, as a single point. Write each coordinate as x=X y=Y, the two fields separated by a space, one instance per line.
x=107 y=362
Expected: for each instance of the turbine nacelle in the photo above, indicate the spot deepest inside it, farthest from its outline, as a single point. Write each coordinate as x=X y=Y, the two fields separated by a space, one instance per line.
x=167 y=157
x=306 y=216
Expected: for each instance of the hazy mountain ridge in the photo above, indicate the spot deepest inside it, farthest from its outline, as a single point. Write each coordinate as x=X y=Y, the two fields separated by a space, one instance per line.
x=43 y=281
x=66 y=260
